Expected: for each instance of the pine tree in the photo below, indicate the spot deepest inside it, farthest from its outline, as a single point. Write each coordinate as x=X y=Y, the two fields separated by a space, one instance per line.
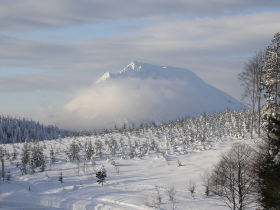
x=101 y=175
x=8 y=177
x=32 y=167
x=88 y=150
x=25 y=153
x=14 y=154
x=270 y=169
x=23 y=169
x=52 y=156
x=98 y=148
x=60 y=178
x=43 y=164
x=73 y=151
x=272 y=75
x=269 y=172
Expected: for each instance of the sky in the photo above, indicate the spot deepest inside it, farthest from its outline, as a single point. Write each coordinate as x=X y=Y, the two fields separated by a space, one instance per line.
x=53 y=50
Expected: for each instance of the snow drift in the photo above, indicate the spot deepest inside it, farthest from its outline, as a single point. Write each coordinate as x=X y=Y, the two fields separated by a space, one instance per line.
x=142 y=92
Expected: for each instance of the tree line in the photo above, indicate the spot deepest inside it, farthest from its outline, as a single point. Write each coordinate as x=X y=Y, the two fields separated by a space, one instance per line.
x=13 y=130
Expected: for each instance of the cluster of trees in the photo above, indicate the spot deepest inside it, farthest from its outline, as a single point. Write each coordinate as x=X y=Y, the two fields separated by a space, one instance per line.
x=32 y=154
x=175 y=137
x=13 y=129
x=251 y=174
x=261 y=81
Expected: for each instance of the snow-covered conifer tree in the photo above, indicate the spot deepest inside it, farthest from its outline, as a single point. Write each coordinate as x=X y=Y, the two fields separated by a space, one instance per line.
x=101 y=175
x=98 y=148
x=60 y=178
x=25 y=153
x=73 y=151
x=88 y=150
x=8 y=177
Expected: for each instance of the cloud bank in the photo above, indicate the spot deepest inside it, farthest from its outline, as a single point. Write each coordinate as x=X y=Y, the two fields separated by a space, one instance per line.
x=133 y=100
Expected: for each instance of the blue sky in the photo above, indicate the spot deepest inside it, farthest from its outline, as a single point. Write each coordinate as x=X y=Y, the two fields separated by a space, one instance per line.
x=52 y=49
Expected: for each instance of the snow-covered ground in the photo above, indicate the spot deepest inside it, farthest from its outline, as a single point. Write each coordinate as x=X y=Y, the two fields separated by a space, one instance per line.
x=132 y=187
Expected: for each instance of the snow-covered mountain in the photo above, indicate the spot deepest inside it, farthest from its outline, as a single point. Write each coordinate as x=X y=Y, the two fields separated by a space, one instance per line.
x=198 y=95
x=142 y=92
x=141 y=70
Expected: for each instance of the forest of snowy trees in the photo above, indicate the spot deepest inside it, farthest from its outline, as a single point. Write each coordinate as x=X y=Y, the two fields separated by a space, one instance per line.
x=13 y=129
x=175 y=137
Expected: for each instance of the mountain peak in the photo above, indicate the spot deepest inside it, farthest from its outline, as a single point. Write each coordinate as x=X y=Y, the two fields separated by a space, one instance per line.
x=142 y=92
x=137 y=69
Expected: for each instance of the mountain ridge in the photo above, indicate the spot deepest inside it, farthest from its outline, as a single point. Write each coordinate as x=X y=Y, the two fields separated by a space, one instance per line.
x=140 y=70
x=137 y=69
x=143 y=92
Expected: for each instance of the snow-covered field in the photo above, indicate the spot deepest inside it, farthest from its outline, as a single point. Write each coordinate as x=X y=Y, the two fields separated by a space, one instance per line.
x=130 y=184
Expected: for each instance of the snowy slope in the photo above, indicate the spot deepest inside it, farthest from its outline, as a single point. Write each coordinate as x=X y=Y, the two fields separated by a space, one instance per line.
x=142 y=70
x=135 y=182
x=129 y=190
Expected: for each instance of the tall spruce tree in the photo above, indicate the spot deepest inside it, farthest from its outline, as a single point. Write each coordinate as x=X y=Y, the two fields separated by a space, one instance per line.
x=101 y=175
x=269 y=172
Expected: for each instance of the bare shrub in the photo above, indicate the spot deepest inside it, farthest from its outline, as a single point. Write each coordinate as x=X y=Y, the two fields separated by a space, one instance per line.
x=192 y=187
x=205 y=177
x=78 y=168
x=171 y=193
x=117 y=168
x=157 y=198
x=178 y=162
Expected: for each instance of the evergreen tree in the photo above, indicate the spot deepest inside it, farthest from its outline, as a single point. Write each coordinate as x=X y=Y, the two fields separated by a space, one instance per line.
x=8 y=177
x=101 y=175
x=43 y=164
x=25 y=153
x=60 y=178
x=52 y=156
x=88 y=150
x=23 y=169
x=269 y=172
x=272 y=76
x=14 y=154
x=73 y=151
x=98 y=148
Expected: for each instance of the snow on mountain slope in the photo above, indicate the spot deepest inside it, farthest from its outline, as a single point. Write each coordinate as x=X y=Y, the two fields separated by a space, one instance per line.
x=175 y=91
x=141 y=93
x=141 y=70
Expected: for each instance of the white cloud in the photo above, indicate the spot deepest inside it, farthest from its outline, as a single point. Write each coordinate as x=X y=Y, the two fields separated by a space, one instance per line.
x=120 y=101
